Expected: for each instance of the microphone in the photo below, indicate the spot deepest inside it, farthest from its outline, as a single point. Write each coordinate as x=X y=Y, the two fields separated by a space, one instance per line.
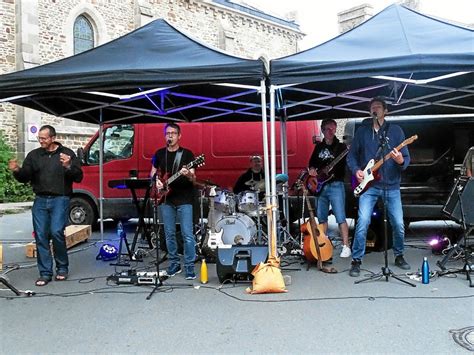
x=374 y=115
x=168 y=142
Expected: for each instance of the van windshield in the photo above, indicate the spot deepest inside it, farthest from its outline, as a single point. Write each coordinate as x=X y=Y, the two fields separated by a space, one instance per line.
x=118 y=144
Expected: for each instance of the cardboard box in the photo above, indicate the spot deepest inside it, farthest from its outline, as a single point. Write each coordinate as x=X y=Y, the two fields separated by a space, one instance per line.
x=75 y=234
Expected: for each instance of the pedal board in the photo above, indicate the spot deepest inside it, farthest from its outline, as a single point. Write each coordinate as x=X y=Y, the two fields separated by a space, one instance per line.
x=132 y=277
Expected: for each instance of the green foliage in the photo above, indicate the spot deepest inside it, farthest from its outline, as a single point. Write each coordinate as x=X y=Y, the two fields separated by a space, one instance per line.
x=10 y=189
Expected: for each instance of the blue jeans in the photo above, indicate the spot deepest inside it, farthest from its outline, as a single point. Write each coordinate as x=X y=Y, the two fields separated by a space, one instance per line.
x=184 y=215
x=333 y=193
x=395 y=215
x=50 y=216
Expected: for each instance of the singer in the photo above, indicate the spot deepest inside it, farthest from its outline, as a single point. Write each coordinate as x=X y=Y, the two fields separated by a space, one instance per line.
x=178 y=203
x=368 y=141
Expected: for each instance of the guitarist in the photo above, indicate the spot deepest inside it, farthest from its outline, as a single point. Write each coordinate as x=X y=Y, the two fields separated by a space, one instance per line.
x=177 y=205
x=365 y=146
x=333 y=190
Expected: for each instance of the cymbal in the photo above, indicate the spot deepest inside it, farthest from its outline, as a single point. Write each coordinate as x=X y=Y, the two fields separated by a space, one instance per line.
x=250 y=183
x=206 y=182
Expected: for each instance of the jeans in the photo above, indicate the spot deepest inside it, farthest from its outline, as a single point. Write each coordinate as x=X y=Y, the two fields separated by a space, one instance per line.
x=367 y=202
x=50 y=216
x=184 y=215
x=334 y=193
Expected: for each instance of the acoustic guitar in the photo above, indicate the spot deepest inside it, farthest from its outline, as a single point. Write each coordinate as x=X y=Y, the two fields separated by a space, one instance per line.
x=316 y=245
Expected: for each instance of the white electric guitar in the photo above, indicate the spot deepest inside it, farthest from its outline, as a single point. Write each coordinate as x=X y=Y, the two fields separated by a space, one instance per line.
x=370 y=171
x=214 y=239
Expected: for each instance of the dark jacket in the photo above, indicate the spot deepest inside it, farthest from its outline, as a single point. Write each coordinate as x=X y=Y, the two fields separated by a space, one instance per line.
x=366 y=146
x=46 y=173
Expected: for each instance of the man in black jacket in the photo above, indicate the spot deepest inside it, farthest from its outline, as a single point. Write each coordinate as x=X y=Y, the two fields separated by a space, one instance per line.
x=51 y=170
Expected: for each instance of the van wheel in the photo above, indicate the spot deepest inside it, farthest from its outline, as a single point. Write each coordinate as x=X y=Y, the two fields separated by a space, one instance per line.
x=81 y=211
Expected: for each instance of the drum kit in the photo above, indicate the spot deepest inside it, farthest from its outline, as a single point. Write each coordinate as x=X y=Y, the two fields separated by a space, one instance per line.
x=233 y=219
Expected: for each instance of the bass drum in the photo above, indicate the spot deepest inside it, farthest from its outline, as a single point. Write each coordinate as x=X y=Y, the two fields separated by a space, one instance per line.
x=239 y=229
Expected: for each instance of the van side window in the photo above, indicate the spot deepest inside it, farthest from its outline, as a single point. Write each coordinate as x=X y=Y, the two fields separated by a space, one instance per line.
x=118 y=144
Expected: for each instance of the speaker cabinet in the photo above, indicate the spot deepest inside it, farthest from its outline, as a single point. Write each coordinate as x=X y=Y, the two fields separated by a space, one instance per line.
x=375 y=234
x=462 y=190
x=237 y=262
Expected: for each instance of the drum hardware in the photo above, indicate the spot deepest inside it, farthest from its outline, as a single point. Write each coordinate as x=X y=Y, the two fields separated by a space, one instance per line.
x=225 y=201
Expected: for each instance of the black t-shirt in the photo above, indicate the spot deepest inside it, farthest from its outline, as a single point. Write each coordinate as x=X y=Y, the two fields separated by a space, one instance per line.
x=324 y=154
x=182 y=189
x=249 y=175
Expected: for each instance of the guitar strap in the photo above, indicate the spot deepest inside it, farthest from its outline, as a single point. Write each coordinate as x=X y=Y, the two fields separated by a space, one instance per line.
x=177 y=161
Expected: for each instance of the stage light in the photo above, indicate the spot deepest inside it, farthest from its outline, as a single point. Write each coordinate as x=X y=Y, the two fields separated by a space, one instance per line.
x=107 y=252
x=439 y=243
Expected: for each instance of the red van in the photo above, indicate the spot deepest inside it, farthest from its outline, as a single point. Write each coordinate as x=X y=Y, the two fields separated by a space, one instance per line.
x=128 y=150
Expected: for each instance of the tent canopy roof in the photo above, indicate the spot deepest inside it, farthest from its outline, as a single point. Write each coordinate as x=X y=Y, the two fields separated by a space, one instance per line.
x=411 y=59
x=135 y=77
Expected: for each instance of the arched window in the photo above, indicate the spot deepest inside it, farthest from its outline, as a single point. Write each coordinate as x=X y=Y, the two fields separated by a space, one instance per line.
x=83 y=35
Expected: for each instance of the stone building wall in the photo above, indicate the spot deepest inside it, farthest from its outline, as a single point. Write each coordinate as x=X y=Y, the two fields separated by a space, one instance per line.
x=35 y=32
x=8 y=35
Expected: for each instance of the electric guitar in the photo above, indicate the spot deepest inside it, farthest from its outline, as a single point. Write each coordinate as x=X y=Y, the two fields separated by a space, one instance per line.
x=370 y=171
x=213 y=239
x=165 y=191
x=316 y=245
x=316 y=183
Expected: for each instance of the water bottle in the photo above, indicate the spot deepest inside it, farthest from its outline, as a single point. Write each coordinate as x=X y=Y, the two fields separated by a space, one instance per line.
x=119 y=229
x=425 y=271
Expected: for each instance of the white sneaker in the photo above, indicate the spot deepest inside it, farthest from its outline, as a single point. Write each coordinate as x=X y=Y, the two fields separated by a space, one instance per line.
x=346 y=252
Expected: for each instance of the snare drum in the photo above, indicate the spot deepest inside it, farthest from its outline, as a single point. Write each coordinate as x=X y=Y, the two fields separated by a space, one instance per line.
x=248 y=202
x=224 y=201
x=238 y=229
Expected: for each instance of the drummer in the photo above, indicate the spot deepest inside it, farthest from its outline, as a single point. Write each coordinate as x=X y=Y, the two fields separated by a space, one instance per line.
x=251 y=177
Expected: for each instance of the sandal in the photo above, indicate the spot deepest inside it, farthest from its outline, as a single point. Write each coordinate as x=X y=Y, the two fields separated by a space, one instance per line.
x=61 y=277
x=42 y=281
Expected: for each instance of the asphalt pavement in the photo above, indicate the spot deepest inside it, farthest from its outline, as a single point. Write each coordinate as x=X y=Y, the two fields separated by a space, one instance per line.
x=321 y=313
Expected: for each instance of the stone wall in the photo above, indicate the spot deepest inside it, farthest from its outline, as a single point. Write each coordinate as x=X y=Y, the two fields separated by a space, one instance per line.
x=35 y=32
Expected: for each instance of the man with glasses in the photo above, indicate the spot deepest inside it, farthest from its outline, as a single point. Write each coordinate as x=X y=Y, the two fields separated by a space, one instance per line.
x=51 y=170
x=178 y=203
x=332 y=192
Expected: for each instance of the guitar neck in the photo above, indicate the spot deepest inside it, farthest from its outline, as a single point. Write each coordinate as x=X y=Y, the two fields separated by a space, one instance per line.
x=388 y=156
x=178 y=174
x=337 y=160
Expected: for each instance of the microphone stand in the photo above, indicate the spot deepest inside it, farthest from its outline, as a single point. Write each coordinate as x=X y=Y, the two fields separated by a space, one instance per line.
x=156 y=231
x=386 y=272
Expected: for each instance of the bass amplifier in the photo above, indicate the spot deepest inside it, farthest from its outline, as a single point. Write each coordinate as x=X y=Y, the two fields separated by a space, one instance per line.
x=463 y=190
x=238 y=261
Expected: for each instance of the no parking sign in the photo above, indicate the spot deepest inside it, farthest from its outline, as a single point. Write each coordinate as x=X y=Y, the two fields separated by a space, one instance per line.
x=33 y=132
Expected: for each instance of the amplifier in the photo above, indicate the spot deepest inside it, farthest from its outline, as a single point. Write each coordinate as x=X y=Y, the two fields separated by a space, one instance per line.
x=463 y=190
x=237 y=262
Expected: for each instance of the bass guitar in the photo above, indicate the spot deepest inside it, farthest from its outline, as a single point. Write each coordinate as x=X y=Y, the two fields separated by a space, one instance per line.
x=165 y=191
x=370 y=171
x=316 y=245
x=316 y=183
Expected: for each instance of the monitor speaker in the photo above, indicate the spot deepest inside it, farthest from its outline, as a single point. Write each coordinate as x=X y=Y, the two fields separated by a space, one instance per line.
x=462 y=190
x=237 y=262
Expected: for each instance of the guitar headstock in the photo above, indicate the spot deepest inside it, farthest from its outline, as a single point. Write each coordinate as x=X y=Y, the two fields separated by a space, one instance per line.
x=198 y=162
x=411 y=139
x=300 y=180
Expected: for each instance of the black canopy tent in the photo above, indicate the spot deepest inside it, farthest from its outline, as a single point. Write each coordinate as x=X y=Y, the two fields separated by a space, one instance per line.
x=153 y=74
x=420 y=64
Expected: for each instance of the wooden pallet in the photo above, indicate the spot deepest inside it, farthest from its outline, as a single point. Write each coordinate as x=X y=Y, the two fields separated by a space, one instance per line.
x=75 y=234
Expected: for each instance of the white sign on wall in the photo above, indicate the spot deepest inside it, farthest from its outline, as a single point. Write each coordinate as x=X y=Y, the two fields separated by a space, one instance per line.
x=32 y=132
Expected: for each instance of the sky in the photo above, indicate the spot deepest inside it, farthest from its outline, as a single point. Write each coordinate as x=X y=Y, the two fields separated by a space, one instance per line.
x=318 y=19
